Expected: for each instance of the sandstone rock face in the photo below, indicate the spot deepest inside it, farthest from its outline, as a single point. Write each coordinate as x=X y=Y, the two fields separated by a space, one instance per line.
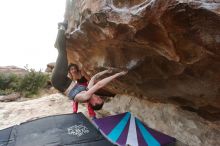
x=12 y=69
x=170 y=47
x=10 y=97
x=50 y=67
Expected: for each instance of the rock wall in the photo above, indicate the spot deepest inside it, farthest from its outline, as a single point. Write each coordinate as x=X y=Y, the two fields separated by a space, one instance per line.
x=170 y=47
x=12 y=70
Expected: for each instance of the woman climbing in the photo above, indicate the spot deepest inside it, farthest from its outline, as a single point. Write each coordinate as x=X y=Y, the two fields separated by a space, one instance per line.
x=82 y=79
x=73 y=89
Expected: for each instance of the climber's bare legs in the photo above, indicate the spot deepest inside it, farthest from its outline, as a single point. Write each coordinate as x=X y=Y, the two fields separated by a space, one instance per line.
x=86 y=95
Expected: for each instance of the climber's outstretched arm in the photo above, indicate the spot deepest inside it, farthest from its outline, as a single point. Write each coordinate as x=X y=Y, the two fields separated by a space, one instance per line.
x=94 y=78
x=84 y=96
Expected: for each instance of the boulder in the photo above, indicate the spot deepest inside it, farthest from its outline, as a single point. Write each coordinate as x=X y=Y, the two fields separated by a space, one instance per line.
x=170 y=47
x=50 y=67
x=12 y=70
x=10 y=97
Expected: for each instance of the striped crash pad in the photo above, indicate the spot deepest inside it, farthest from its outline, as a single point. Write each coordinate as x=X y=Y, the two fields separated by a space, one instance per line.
x=125 y=129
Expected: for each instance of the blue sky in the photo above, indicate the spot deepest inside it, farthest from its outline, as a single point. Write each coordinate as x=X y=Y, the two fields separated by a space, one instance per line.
x=28 y=30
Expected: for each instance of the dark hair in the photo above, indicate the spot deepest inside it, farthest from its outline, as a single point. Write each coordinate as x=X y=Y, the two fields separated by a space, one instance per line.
x=73 y=65
x=97 y=106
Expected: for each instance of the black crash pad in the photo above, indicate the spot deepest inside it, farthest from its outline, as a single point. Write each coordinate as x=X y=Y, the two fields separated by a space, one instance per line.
x=59 y=130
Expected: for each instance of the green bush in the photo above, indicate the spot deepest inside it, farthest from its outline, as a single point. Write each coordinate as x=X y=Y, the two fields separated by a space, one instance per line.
x=6 y=91
x=9 y=81
x=33 y=82
x=28 y=85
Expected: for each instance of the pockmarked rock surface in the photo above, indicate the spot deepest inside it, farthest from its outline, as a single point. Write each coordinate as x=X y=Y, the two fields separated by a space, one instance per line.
x=170 y=47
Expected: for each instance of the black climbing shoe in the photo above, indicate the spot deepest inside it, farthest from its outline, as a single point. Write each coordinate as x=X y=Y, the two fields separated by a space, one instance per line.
x=62 y=25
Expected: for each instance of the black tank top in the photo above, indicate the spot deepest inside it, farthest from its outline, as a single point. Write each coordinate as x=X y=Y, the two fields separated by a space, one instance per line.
x=82 y=80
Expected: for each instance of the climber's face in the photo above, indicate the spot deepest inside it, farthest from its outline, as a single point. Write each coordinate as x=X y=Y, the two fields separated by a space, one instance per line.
x=73 y=71
x=95 y=99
